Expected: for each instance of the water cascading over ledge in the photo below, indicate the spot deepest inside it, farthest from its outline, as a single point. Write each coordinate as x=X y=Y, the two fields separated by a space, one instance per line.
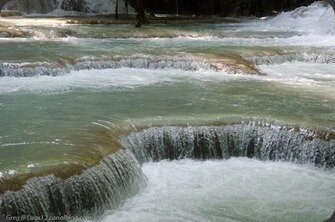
x=119 y=176
x=240 y=140
x=163 y=62
x=104 y=186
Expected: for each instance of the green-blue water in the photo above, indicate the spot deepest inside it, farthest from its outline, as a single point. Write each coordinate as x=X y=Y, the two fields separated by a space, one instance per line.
x=56 y=91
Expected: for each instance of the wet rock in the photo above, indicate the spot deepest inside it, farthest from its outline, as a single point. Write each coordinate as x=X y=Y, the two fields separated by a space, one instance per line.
x=7 y=13
x=31 y=6
x=74 y=5
x=12 y=33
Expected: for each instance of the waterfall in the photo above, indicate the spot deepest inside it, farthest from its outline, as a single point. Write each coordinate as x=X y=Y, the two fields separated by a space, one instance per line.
x=164 y=62
x=138 y=62
x=308 y=57
x=217 y=142
x=119 y=175
x=106 y=185
x=315 y=18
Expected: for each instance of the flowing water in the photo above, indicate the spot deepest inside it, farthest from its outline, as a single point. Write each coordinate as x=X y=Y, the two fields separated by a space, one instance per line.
x=234 y=190
x=75 y=98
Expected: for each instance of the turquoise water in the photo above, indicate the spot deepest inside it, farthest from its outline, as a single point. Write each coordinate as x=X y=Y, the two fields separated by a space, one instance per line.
x=201 y=76
x=45 y=112
x=58 y=93
x=232 y=190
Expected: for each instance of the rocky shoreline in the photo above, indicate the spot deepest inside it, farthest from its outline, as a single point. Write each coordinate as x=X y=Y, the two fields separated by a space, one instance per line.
x=10 y=26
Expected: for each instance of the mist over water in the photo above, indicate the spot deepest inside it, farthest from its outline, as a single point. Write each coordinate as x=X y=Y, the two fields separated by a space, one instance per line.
x=258 y=88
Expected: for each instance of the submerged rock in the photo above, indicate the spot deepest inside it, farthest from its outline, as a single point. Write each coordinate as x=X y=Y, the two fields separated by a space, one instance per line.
x=7 y=31
x=12 y=33
x=138 y=25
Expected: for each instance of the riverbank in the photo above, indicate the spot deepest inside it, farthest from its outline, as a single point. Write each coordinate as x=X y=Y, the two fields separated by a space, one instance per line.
x=10 y=26
x=110 y=19
x=173 y=20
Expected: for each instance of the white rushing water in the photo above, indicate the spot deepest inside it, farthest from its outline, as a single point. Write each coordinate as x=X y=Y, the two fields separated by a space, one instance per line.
x=238 y=189
x=52 y=86
x=316 y=19
x=104 y=79
x=296 y=73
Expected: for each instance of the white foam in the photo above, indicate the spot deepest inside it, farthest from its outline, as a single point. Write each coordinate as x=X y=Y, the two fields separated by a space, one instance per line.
x=313 y=78
x=300 y=73
x=315 y=19
x=288 y=73
x=238 y=189
x=26 y=69
x=308 y=39
x=12 y=172
x=33 y=165
x=104 y=79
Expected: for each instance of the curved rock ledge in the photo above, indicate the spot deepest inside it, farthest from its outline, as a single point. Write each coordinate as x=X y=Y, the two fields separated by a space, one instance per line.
x=104 y=186
x=240 y=140
x=118 y=175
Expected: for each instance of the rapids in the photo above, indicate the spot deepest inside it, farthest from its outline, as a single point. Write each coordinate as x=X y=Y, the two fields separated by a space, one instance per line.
x=168 y=122
x=233 y=190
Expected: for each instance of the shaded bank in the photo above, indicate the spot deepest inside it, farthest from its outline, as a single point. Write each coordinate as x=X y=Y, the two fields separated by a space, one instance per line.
x=224 y=7
x=128 y=10
x=172 y=7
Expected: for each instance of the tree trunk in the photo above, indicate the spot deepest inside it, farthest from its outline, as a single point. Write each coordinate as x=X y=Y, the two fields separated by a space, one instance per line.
x=126 y=5
x=166 y=9
x=140 y=13
x=117 y=10
x=177 y=8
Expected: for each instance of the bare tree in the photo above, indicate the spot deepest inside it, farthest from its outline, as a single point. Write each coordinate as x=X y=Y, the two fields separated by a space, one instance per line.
x=140 y=13
x=117 y=9
x=166 y=1
x=126 y=5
